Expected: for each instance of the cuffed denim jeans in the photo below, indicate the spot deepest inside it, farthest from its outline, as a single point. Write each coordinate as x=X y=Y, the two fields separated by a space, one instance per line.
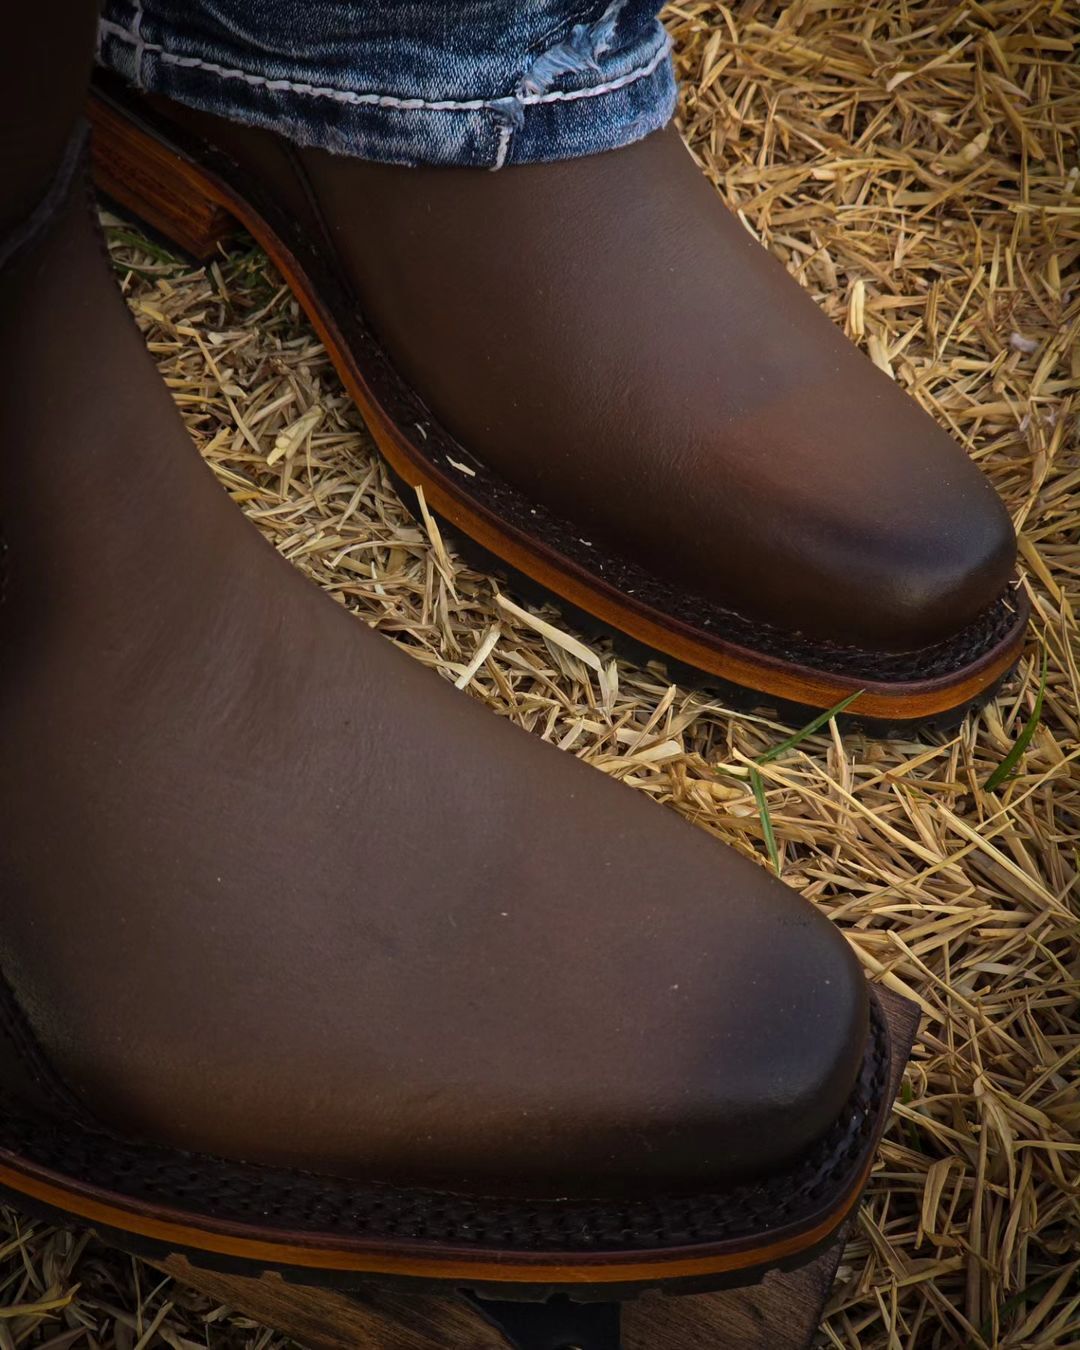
x=458 y=82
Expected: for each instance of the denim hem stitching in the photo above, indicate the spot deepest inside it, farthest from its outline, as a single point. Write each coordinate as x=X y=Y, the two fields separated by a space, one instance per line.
x=137 y=40
x=108 y=28
x=502 y=149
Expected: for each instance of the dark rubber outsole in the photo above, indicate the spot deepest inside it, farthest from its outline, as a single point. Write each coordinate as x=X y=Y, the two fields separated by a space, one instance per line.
x=349 y=1282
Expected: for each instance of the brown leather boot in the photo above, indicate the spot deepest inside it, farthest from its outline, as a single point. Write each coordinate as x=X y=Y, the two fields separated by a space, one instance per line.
x=309 y=962
x=596 y=374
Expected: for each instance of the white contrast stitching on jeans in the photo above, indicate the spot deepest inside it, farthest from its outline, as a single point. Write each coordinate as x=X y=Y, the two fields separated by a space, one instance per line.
x=503 y=148
x=386 y=100
x=140 y=45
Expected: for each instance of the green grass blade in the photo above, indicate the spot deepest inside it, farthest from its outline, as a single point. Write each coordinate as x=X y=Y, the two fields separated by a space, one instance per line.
x=758 y=786
x=117 y=234
x=821 y=720
x=1005 y=768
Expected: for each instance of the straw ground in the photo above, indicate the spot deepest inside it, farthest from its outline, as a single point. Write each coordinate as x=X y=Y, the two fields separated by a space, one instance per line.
x=917 y=167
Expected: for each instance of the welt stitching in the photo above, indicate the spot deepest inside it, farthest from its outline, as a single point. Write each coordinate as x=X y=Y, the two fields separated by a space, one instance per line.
x=348 y=96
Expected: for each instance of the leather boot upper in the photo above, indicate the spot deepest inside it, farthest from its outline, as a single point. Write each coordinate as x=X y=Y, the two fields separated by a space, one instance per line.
x=272 y=891
x=609 y=338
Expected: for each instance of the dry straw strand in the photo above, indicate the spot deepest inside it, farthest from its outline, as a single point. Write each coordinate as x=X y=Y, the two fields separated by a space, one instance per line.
x=916 y=166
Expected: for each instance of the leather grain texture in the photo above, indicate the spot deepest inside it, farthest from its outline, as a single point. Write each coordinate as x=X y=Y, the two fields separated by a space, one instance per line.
x=314 y=908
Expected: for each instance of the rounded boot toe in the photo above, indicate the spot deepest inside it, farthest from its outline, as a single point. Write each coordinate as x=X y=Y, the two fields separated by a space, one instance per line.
x=906 y=556
x=754 y=1046
x=935 y=576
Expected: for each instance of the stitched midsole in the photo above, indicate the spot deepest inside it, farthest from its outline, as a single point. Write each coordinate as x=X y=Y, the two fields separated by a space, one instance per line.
x=325 y=1208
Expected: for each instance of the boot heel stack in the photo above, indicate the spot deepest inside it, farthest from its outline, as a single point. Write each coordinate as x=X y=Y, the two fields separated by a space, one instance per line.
x=148 y=180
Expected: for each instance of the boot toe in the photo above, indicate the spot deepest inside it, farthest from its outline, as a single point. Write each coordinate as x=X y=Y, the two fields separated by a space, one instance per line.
x=745 y=1050
x=562 y=989
x=934 y=575
x=894 y=548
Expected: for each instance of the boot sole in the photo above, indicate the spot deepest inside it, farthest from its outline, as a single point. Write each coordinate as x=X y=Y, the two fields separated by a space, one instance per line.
x=249 y=1219
x=195 y=197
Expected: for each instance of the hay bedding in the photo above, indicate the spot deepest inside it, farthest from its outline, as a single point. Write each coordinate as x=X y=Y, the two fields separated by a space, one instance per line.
x=916 y=166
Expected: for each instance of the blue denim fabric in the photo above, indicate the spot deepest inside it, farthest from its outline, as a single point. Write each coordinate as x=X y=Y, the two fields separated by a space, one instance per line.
x=465 y=82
